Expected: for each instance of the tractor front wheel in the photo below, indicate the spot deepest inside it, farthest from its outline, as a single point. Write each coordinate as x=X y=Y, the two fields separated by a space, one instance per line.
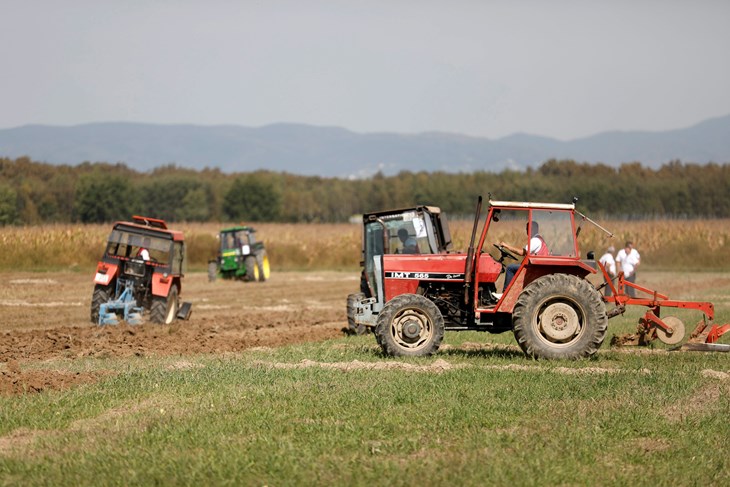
x=410 y=325
x=101 y=295
x=560 y=316
x=164 y=309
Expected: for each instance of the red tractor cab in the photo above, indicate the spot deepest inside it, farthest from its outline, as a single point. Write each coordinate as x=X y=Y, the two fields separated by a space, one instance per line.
x=416 y=230
x=141 y=271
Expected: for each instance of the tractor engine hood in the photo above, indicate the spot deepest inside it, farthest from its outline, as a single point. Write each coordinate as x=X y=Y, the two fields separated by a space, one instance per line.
x=403 y=273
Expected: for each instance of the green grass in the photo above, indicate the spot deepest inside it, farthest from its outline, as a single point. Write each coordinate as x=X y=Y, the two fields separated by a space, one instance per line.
x=654 y=419
x=476 y=413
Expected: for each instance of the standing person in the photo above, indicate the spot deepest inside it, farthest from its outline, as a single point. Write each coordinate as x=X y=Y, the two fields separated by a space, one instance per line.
x=629 y=259
x=609 y=263
x=537 y=246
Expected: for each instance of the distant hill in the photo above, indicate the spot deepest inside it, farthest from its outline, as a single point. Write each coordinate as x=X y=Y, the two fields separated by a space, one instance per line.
x=337 y=152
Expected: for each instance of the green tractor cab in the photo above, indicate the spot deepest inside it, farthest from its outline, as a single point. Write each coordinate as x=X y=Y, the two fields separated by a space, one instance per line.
x=240 y=256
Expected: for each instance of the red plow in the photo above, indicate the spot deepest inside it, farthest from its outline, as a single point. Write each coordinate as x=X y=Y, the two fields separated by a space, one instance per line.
x=670 y=329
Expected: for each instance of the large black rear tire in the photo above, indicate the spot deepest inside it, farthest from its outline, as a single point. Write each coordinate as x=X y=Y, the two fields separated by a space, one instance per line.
x=410 y=325
x=560 y=316
x=100 y=296
x=252 y=268
x=164 y=309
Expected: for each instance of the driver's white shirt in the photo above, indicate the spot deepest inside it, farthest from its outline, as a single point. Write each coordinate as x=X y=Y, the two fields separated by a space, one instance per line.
x=144 y=254
x=535 y=246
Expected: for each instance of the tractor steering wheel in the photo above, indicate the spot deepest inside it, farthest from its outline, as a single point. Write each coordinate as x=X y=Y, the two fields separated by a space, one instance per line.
x=505 y=253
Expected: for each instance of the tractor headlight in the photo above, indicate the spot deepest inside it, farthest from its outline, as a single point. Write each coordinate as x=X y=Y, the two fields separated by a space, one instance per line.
x=246 y=249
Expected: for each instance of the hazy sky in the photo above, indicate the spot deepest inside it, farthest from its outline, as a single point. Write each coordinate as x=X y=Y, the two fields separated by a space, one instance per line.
x=558 y=68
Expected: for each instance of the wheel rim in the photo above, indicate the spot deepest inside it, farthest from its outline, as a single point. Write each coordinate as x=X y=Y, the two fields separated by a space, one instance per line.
x=171 y=312
x=412 y=329
x=255 y=272
x=559 y=322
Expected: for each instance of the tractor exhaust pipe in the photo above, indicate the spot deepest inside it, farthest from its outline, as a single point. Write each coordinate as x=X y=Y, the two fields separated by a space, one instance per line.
x=470 y=253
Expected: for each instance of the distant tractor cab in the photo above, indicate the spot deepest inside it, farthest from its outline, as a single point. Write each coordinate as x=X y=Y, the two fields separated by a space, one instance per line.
x=241 y=256
x=141 y=271
x=407 y=231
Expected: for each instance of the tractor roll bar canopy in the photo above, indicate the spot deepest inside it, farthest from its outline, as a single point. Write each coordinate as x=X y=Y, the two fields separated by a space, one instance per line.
x=525 y=204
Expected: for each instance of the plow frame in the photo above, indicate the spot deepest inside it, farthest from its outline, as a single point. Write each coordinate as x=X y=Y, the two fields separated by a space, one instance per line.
x=124 y=303
x=706 y=332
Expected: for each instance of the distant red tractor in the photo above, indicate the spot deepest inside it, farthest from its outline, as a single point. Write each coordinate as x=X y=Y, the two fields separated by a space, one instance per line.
x=549 y=305
x=141 y=271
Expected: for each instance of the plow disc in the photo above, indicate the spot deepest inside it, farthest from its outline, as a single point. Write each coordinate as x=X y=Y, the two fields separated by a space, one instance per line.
x=673 y=333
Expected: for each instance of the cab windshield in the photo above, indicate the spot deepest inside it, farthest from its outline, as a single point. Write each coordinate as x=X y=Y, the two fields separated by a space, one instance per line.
x=554 y=229
x=236 y=239
x=130 y=245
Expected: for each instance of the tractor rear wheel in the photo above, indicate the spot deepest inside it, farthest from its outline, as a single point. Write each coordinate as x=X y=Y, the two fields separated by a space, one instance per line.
x=101 y=295
x=262 y=260
x=354 y=328
x=252 y=268
x=410 y=325
x=559 y=316
x=164 y=309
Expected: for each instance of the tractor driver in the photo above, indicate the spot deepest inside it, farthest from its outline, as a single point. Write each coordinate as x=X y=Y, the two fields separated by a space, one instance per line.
x=410 y=244
x=143 y=252
x=537 y=246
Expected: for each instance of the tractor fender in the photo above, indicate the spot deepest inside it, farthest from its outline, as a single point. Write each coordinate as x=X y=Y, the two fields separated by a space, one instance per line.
x=105 y=273
x=161 y=284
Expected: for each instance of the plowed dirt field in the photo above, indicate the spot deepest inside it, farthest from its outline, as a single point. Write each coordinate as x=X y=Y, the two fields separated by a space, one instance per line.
x=46 y=317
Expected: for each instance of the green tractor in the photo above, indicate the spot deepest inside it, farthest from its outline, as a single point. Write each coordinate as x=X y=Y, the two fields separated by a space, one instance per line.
x=240 y=256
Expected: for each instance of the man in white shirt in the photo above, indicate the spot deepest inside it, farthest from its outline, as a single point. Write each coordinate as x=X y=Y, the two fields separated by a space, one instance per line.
x=629 y=259
x=143 y=252
x=609 y=263
x=537 y=246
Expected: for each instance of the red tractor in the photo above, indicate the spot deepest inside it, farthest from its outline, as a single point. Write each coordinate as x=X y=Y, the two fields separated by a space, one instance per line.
x=548 y=303
x=141 y=270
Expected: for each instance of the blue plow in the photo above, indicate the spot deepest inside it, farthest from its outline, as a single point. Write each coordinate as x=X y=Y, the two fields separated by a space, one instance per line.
x=125 y=304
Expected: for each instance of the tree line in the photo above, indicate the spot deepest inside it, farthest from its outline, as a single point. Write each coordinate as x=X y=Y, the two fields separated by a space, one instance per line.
x=35 y=192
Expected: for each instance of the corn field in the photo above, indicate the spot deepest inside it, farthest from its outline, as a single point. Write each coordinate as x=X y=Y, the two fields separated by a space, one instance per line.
x=664 y=245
